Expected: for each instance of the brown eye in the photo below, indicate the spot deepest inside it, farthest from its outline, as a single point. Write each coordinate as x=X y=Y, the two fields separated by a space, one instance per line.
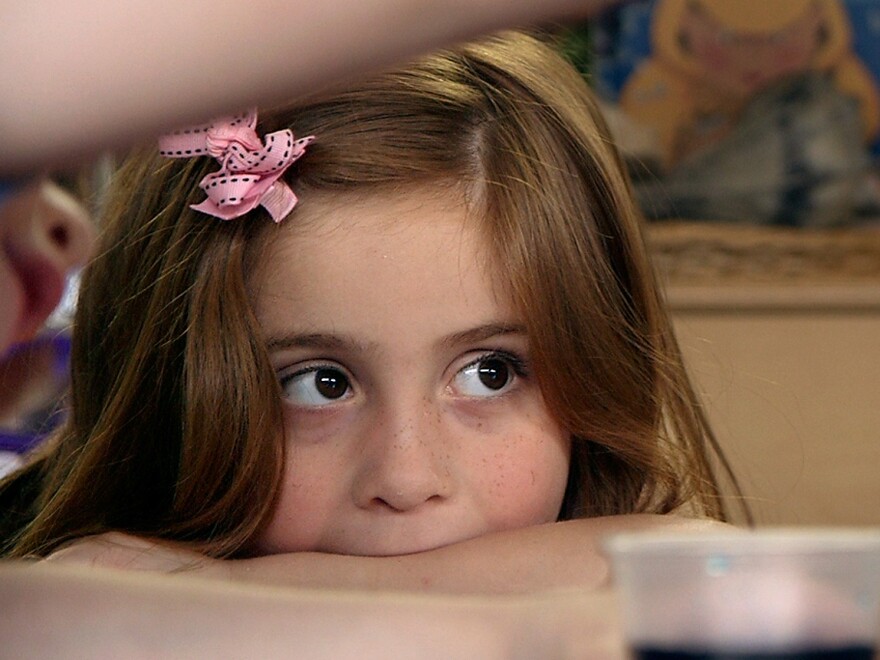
x=494 y=373
x=330 y=383
x=316 y=387
x=490 y=375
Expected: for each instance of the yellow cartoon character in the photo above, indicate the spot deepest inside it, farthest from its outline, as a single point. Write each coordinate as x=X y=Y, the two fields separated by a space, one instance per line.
x=711 y=57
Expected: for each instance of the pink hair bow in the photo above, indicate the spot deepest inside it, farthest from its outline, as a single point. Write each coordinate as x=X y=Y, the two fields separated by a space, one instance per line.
x=249 y=170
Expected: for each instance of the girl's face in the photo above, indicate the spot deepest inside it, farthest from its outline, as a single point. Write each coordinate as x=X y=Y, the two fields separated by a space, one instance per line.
x=412 y=416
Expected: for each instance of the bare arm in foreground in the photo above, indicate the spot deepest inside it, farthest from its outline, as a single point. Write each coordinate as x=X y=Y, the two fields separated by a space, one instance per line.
x=79 y=77
x=64 y=611
x=528 y=560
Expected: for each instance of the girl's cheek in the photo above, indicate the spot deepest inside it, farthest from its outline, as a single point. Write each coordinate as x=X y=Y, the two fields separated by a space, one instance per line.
x=528 y=476
x=488 y=413
x=312 y=426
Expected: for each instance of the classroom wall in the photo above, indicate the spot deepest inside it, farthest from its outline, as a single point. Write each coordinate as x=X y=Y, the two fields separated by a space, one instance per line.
x=790 y=373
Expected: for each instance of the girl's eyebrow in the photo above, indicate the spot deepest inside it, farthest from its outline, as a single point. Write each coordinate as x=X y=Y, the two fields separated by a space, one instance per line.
x=329 y=341
x=322 y=340
x=482 y=333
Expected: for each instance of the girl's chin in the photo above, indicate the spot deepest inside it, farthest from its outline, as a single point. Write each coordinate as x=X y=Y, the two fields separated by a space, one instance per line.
x=387 y=547
x=367 y=544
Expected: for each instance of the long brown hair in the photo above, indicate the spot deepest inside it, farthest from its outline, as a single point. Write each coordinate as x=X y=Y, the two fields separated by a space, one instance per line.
x=175 y=425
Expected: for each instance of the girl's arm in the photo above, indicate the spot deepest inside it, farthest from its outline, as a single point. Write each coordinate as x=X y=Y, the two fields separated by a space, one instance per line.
x=78 y=77
x=532 y=559
x=62 y=611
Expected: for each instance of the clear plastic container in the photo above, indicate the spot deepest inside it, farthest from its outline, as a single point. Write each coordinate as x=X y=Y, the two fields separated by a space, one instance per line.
x=772 y=593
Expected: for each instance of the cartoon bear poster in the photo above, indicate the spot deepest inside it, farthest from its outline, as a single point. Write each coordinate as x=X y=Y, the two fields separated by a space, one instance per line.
x=747 y=110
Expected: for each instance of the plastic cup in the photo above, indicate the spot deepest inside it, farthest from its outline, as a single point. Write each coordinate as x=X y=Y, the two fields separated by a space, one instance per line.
x=772 y=593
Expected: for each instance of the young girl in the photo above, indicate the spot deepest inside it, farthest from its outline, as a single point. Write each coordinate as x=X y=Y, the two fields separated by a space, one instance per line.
x=452 y=342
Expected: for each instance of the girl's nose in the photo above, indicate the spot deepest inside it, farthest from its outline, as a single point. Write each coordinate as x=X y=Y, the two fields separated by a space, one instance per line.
x=405 y=463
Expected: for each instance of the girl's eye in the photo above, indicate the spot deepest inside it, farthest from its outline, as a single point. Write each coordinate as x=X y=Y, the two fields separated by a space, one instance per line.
x=490 y=375
x=316 y=387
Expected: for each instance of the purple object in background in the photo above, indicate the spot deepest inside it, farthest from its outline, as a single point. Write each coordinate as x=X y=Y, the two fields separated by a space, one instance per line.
x=40 y=414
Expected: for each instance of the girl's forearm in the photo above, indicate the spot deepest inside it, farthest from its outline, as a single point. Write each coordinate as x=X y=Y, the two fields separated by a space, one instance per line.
x=147 y=615
x=528 y=560
x=78 y=77
x=64 y=611
x=547 y=557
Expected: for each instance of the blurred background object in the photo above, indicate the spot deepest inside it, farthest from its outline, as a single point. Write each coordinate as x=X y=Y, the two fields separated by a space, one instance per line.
x=33 y=379
x=34 y=375
x=750 y=131
x=761 y=112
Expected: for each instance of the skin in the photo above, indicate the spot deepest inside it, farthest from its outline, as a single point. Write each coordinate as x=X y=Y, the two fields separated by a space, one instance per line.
x=44 y=233
x=44 y=123
x=198 y=619
x=406 y=449
x=269 y=51
x=413 y=475
x=538 y=559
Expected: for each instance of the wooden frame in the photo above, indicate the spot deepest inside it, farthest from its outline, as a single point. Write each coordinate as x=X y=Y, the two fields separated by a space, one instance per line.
x=722 y=265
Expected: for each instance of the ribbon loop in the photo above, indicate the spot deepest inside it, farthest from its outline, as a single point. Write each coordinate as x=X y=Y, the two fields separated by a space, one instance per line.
x=250 y=170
